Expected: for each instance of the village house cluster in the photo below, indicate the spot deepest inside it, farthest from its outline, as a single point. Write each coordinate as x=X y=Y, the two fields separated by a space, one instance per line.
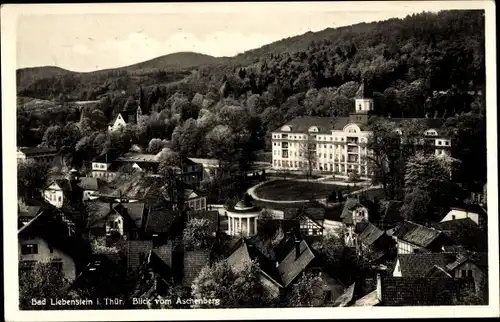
x=118 y=234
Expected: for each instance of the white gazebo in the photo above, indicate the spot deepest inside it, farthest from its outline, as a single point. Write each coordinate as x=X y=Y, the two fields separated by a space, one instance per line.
x=242 y=219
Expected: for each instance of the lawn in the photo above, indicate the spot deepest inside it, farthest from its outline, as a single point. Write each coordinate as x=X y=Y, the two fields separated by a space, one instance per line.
x=289 y=190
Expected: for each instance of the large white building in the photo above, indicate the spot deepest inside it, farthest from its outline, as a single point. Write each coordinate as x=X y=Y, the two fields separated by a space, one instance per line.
x=339 y=144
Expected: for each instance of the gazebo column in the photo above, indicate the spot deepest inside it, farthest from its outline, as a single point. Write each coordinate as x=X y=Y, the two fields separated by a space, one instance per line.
x=248 y=226
x=229 y=225
x=241 y=231
x=255 y=226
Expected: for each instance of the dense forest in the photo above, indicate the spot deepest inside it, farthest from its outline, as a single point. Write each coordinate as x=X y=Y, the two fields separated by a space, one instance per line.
x=425 y=65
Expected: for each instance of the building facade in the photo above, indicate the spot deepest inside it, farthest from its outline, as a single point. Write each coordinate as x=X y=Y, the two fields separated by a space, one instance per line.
x=339 y=145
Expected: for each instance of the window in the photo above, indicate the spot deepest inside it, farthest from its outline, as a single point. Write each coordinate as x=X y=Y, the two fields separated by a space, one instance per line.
x=51 y=249
x=452 y=217
x=59 y=198
x=28 y=249
x=469 y=273
x=464 y=273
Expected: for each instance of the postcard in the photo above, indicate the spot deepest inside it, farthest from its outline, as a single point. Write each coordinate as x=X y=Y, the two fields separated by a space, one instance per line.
x=218 y=161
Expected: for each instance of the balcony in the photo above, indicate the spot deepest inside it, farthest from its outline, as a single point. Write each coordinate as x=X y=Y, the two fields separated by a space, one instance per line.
x=353 y=149
x=352 y=140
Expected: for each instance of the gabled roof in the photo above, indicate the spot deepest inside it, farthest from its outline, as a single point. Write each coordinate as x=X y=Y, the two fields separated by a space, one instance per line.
x=475 y=208
x=165 y=252
x=291 y=266
x=438 y=271
x=369 y=234
x=107 y=157
x=138 y=157
x=130 y=117
x=161 y=221
x=419 y=264
x=480 y=259
x=417 y=234
x=135 y=211
x=135 y=187
x=194 y=261
x=206 y=162
x=464 y=232
x=370 y=299
x=352 y=203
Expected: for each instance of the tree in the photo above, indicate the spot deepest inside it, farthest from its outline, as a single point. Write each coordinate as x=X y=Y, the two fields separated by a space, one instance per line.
x=429 y=173
x=307 y=150
x=385 y=157
x=31 y=177
x=54 y=137
x=220 y=144
x=41 y=282
x=307 y=291
x=417 y=207
x=156 y=145
x=186 y=138
x=236 y=288
x=198 y=234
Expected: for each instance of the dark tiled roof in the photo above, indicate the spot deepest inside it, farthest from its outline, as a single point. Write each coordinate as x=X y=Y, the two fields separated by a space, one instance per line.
x=437 y=271
x=194 y=261
x=33 y=151
x=480 y=259
x=135 y=211
x=421 y=291
x=165 y=252
x=87 y=183
x=291 y=266
x=134 y=250
x=107 y=157
x=419 y=264
x=317 y=213
x=161 y=221
x=464 y=232
x=134 y=187
x=370 y=234
x=417 y=234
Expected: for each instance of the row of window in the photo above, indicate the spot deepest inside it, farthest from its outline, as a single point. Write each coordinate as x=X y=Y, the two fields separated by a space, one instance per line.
x=443 y=142
x=340 y=168
x=197 y=204
x=52 y=197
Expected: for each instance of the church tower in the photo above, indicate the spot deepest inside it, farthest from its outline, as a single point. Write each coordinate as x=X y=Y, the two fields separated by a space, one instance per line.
x=363 y=106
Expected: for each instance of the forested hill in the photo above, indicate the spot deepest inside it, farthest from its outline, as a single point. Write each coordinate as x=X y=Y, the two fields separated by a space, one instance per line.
x=426 y=64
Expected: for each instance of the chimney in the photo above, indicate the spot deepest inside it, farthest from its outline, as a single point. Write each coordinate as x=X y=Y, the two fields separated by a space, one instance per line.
x=297 y=248
x=379 y=287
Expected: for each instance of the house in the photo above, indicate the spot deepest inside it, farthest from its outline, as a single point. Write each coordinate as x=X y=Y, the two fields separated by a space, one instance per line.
x=479 y=197
x=162 y=225
x=104 y=167
x=133 y=188
x=126 y=118
x=421 y=264
x=48 y=155
x=355 y=211
x=464 y=232
x=29 y=209
x=63 y=191
x=411 y=238
x=310 y=219
x=210 y=167
x=47 y=239
x=195 y=200
x=117 y=221
x=340 y=143
x=90 y=187
x=420 y=291
x=190 y=172
x=370 y=237
x=473 y=211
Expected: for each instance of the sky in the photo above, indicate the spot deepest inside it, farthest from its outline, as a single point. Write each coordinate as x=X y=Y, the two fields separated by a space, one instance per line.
x=98 y=37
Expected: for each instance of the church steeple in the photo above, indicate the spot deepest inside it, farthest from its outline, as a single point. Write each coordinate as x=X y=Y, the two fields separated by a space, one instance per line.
x=363 y=105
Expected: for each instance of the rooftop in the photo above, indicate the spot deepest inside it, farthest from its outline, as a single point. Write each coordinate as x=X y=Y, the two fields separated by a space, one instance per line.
x=417 y=234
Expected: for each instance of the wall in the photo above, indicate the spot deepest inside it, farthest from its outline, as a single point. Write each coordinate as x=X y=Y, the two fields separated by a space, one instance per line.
x=54 y=195
x=408 y=248
x=44 y=254
x=119 y=123
x=460 y=214
x=332 y=227
x=477 y=273
x=397 y=270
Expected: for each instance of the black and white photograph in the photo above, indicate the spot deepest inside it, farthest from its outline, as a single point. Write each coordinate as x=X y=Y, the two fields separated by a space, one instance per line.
x=286 y=159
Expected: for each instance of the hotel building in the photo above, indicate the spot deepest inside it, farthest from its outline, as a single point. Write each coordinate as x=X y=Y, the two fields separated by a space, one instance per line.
x=340 y=143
